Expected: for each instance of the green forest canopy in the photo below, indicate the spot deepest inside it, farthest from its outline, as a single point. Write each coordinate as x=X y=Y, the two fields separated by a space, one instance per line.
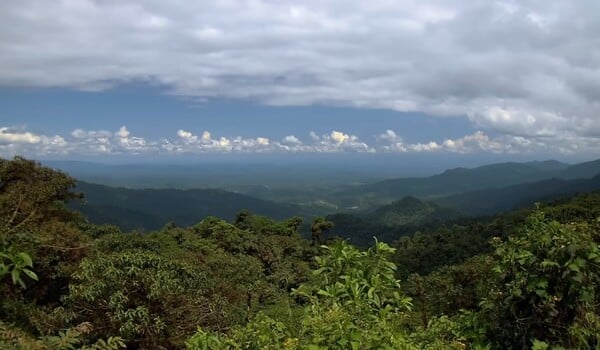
x=526 y=279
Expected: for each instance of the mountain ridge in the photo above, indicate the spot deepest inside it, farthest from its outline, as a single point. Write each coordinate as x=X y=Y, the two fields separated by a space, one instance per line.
x=184 y=207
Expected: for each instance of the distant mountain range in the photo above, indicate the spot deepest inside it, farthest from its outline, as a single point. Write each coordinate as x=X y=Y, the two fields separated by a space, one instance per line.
x=458 y=180
x=406 y=216
x=498 y=188
x=150 y=209
x=479 y=191
x=499 y=175
x=410 y=211
x=495 y=200
x=391 y=221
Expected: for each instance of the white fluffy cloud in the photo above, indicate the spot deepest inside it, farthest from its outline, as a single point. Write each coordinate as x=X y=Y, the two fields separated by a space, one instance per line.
x=80 y=142
x=480 y=142
x=517 y=68
x=14 y=141
x=8 y=136
x=339 y=137
x=291 y=140
x=337 y=141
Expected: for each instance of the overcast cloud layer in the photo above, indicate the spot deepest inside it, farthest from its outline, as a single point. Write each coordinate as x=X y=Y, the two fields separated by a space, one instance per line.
x=528 y=71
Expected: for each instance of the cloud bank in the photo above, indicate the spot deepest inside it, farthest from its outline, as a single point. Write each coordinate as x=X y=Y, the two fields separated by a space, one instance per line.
x=15 y=141
x=528 y=70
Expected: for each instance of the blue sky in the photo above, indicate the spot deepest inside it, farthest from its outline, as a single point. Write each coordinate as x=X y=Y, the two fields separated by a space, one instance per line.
x=152 y=114
x=140 y=80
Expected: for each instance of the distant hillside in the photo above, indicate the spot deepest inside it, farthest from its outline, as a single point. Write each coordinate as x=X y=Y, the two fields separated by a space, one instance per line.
x=150 y=209
x=496 y=200
x=581 y=171
x=410 y=211
x=460 y=180
x=390 y=222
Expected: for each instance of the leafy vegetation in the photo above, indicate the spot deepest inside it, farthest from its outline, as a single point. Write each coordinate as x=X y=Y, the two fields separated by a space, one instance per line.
x=527 y=279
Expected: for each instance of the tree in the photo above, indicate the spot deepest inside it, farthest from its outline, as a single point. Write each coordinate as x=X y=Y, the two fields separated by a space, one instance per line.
x=354 y=303
x=548 y=288
x=142 y=297
x=294 y=223
x=31 y=195
x=320 y=227
x=34 y=219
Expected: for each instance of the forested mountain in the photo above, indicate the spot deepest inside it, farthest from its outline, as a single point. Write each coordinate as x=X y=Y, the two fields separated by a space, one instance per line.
x=408 y=215
x=527 y=279
x=496 y=200
x=581 y=170
x=150 y=209
x=390 y=222
x=410 y=211
x=325 y=188
x=489 y=176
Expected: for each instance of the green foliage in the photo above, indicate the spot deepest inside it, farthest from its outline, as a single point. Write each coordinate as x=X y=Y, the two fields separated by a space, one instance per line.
x=361 y=280
x=146 y=284
x=31 y=195
x=16 y=264
x=69 y=339
x=450 y=289
x=229 y=237
x=141 y=297
x=264 y=226
x=35 y=220
x=423 y=252
x=96 y=231
x=548 y=288
x=355 y=299
x=281 y=251
x=320 y=227
x=354 y=303
x=262 y=333
x=535 y=286
x=453 y=333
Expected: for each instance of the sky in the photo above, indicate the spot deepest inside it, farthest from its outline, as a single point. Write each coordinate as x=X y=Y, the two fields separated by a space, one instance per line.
x=139 y=80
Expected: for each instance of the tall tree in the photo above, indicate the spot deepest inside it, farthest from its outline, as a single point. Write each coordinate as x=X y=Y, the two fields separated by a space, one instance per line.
x=320 y=227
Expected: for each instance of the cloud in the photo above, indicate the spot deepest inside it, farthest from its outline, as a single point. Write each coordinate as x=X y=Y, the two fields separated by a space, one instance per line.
x=188 y=136
x=480 y=142
x=14 y=141
x=262 y=141
x=291 y=140
x=8 y=136
x=394 y=143
x=96 y=142
x=339 y=137
x=131 y=144
x=337 y=141
x=527 y=71
x=81 y=142
x=123 y=132
x=425 y=147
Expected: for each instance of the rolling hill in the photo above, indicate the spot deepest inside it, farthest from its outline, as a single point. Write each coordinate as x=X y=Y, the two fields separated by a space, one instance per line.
x=390 y=222
x=496 y=200
x=150 y=209
x=460 y=180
